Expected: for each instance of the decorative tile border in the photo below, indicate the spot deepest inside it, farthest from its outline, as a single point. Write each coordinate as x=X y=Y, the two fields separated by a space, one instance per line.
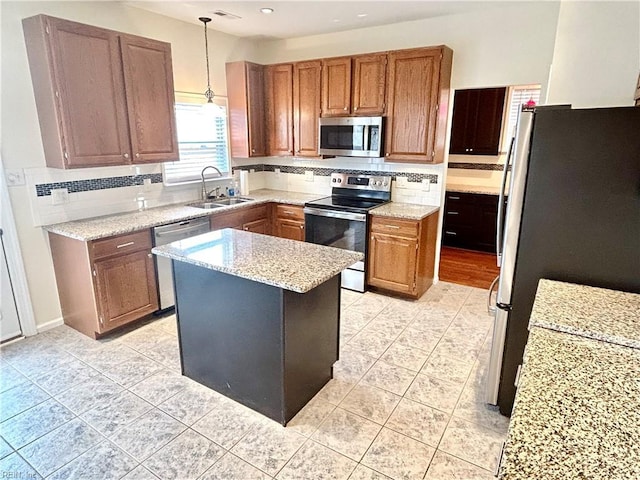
x=477 y=166
x=326 y=172
x=44 y=189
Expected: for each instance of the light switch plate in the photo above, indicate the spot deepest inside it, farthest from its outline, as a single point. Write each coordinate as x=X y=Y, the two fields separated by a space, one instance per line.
x=308 y=175
x=59 y=196
x=14 y=176
x=276 y=171
x=402 y=181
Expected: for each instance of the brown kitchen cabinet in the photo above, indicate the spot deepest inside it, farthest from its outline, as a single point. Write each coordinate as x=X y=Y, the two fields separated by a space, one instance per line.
x=103 y=97
x=354 y=85
x=401 y=254
x=279 y=96
x=104 y=284
x=477 y=121
x=252 y=218
x=246 y=102
x=288 y=222
x=418 y=83
x=307 y=77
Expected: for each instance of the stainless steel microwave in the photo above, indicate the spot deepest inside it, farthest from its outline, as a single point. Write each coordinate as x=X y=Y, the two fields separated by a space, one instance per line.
x=350 y=136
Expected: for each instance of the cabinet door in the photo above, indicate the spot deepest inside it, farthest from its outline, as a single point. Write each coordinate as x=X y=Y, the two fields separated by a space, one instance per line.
x=279 y=92
x=148 y=78
x=125 y=288
x=257 y=226
x=292 y=229
x=306 y=107
x=245 y=94
x=460 y=125
x=90 y=111
x=392 y=262
x=413 y=95
x=369 y=80
x=336 y=87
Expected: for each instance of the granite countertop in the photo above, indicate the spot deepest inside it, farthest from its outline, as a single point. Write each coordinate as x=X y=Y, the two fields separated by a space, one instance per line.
x=283 y=263
x=577 y=411
x=482 y=189
x=107 y=226
x=597 y=313
x=409 y=211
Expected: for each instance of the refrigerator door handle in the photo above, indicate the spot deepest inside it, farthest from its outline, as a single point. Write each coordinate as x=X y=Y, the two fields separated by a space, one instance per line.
x=501 y=212
x=491 y=307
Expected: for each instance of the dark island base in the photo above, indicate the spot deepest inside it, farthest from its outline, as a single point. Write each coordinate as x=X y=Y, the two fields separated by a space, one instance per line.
x=268 y=348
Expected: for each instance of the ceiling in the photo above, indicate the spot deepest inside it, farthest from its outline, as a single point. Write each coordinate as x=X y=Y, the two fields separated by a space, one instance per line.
x=305 y=17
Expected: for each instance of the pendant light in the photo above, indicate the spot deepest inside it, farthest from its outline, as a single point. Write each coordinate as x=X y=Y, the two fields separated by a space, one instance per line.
x=209 y=93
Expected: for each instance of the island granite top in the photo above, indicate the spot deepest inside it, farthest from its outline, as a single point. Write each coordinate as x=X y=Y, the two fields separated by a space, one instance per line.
x=409 y=211
x=597 y=313
x=577 y=411
x=288 y=264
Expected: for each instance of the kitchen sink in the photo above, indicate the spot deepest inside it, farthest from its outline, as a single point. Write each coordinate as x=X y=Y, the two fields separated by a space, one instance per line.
x=219 y=202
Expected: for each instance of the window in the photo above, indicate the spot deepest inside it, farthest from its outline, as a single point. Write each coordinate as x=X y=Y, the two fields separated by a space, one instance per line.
x=202 y=140
x=518 y=96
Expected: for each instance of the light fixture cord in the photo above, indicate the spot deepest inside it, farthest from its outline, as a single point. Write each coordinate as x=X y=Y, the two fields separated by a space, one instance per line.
x=209 y=93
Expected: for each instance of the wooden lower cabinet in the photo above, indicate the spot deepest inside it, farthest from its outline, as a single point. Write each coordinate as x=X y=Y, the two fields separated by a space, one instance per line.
x=256 y=219
x=106 y=283
x=401 y=254
x=289 y=222
x=257 y=226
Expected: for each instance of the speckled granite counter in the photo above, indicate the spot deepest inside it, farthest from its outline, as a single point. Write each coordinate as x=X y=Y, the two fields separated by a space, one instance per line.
x=409 y=211
x=482 y=189
x=597 y=313
x=287 y=264
x=106 y=226
x=577 y=411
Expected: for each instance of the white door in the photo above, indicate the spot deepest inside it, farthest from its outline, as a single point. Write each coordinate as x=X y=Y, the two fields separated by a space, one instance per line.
x=9 y=321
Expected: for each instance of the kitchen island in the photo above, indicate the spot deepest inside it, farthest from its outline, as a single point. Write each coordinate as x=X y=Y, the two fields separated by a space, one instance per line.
x=258 y=316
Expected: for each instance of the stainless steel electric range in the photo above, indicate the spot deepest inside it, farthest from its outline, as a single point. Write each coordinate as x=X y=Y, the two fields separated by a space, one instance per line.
x=341 y=220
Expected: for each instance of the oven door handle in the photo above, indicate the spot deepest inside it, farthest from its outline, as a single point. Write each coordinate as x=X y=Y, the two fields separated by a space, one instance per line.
x=358 y=217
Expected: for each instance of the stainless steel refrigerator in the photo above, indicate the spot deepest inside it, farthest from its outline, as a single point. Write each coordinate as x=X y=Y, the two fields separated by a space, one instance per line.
x=573 y=215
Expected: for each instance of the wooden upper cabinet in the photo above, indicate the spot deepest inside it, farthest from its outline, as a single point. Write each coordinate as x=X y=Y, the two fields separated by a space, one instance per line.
x=336 y=87
x=247 y=121
x=417 y=95
x=101 y=96
x=354 y=85
x=306 y=107
x=477 y=121
x=369 y=81
x=279 y=93
x=148 y=81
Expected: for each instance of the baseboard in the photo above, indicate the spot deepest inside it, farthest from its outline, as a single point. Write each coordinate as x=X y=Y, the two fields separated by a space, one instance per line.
x=49 y=325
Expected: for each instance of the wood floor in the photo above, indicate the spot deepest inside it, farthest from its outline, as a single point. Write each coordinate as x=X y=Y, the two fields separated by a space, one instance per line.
x=467 y=267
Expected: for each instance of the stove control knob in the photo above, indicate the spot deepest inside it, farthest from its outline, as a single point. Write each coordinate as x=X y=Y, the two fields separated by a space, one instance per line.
x=384 y=184
x=339 y=180
x=377 y=183
x=333 y=180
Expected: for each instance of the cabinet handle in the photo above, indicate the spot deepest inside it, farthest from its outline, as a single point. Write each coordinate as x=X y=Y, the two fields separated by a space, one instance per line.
x=452 y=213
x=450 y=233
x=125 y=155
x=137 y=155
x=393 y=226
x=454 y=198
x=128 y=244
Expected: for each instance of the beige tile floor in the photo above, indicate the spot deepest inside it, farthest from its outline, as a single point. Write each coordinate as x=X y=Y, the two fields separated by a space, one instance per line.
x=405 y=403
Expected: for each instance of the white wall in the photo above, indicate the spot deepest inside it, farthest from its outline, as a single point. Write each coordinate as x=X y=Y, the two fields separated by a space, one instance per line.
x=597 y=54
x=21 y=144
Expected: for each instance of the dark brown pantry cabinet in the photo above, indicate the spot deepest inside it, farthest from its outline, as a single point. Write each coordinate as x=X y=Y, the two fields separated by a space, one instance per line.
x=105 y=283
x=245 y=95
x=477 y=121
x=103 y=97
x=417 y=104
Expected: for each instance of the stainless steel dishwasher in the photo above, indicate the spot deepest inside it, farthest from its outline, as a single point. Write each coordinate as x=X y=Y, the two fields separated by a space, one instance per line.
x=170 y=233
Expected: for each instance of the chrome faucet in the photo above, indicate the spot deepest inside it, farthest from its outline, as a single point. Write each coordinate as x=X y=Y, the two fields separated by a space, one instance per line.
x=205 y=194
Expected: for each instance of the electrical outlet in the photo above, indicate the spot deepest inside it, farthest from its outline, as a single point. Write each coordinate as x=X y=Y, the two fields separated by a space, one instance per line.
x=308 y=175
x=15 y=177
x=59 y=196
x=426 y=185
x=146 y=184
x=276 y=171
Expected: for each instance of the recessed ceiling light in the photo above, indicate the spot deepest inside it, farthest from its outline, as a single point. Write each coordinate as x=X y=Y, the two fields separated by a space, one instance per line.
x=336 y=20
x=362 y=15
x=266 y=10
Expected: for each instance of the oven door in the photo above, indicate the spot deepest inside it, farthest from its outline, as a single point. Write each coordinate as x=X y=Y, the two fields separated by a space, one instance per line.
x=338 y=229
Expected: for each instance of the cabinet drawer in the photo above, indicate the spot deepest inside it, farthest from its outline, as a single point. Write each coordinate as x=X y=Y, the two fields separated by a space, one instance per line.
x=289 y=211
x=392 y=226
x=121 y=244
x=255 y=213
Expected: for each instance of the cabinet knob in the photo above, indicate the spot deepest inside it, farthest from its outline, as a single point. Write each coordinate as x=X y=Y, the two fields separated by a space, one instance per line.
x=125 y=155
x=355 y=109
x=346 y=108
x=301 y=227
x=137 y=155
x=387 y=154
x=253 y=150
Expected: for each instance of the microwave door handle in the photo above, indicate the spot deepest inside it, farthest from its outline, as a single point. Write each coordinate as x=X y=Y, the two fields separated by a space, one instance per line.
x=365 y=134
x=501 y=212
